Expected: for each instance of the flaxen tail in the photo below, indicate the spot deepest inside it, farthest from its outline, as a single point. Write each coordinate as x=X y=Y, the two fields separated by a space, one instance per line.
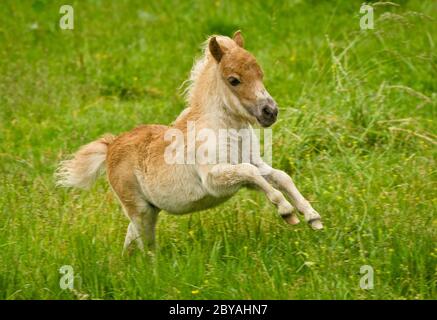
x=86 y=165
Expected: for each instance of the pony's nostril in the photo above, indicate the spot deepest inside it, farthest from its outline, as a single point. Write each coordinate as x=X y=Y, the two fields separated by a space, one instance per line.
x=267 y=111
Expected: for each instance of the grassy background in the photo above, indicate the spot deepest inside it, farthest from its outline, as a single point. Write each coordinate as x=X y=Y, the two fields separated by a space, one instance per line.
x=357 y=132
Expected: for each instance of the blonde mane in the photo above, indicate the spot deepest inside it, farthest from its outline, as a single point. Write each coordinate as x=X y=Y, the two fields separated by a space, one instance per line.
x=200 y=64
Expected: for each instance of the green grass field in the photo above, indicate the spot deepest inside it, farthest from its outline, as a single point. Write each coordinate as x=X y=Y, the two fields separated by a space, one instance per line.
x=357 y=132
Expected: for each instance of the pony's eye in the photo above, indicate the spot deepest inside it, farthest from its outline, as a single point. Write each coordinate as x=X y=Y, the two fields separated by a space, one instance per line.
x=234 y=81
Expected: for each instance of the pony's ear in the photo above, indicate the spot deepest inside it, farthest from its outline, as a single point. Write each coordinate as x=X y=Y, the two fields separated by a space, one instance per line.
x=215 y=49
x=238 y=38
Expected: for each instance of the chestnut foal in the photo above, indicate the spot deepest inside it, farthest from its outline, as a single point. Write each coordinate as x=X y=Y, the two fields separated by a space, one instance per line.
x=226 y=91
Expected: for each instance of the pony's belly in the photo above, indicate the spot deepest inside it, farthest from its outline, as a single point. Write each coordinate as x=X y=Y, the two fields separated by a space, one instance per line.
x=179 y=191
x=201 y=204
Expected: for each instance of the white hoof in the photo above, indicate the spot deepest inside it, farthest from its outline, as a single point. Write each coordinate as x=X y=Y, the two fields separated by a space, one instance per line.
x=316 y=224
x=291 y=219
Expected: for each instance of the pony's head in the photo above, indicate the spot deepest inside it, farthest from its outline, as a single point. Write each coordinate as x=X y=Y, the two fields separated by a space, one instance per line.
x=242 y=79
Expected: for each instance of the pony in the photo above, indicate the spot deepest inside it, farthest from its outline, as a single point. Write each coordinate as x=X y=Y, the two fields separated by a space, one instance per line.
x=225 y=91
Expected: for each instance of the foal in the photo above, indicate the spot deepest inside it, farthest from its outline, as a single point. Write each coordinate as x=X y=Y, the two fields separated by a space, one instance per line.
x=226 y=92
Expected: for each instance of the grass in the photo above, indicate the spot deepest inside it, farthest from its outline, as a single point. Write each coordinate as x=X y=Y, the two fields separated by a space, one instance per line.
x=357 y=132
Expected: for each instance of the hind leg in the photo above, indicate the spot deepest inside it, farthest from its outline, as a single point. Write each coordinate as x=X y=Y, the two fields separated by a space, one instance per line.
x=131 y=235
x=142 y=215
x=143 y=218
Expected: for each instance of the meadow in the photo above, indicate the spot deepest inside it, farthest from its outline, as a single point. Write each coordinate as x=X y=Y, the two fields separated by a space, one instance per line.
x=356 y=131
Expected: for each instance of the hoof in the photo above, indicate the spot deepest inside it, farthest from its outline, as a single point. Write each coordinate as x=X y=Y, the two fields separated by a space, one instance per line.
x=291 y=219
x=316 y=224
